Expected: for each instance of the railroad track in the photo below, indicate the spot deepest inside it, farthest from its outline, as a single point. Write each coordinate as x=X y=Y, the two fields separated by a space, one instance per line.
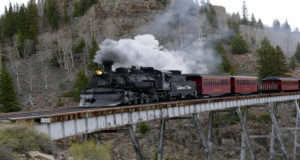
x=77 y=110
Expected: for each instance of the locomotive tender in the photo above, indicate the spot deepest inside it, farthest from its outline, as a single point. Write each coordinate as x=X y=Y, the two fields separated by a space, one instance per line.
x=146 y=85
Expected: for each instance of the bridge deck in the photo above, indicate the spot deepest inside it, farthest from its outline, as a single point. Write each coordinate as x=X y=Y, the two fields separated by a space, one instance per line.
x=62 y=123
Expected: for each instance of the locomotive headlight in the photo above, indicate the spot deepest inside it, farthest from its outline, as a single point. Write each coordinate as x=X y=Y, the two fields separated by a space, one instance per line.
x=98 y=72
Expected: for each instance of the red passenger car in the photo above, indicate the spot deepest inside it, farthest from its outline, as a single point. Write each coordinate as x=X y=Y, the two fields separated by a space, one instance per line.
x=244 y=84
x=284 y=84
x=211 y=85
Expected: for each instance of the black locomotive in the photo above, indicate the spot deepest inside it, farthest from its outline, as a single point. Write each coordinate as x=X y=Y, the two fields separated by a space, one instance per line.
x=135 y=86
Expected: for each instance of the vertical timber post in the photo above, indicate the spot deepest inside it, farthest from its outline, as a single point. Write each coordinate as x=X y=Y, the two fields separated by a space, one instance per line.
x=135 y=142
x=273 y=136
x=161 y=139
x=296 y=130
x=245 y=132
x=279 y=137
x=209 y=131
x=202 y=135
x=243 y=145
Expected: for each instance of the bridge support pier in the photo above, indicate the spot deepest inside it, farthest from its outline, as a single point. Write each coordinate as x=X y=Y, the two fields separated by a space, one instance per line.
x=161 y=139
x=135 y=142
x=296 y=130
x=202 y=136
x=245 y=132
x=276 y=128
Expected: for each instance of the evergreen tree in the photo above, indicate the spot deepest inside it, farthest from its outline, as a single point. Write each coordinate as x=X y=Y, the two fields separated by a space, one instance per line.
x=76 y=11
x=81 y=82
x=234 y=22
x=286 y=26
x=20 y=43
x=52 y=14
x=10 y=27
x=293 y=63
x=211 y=16
x=239 y=45
x=66 y=17
x=245 y=20
x=271 y=62
x=253 y=21
x=81 y=7
x=280 y=66
x=92 y=52
x=8 y=97
x=265 y=56
x=276 y=24
x=225 y=66
x=297 y=53
x=260 y=24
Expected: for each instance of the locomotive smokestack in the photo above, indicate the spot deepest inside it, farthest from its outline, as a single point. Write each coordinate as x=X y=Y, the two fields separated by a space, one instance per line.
x=107 y=66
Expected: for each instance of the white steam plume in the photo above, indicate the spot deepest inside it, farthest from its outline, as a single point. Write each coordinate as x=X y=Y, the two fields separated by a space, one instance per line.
x=144 y=50
x=186 y=45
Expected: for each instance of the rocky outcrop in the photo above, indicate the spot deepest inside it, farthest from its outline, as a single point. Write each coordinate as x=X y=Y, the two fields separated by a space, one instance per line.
x=35 y=155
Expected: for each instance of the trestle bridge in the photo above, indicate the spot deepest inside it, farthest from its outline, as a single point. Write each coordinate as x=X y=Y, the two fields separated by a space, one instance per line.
x=63 y=123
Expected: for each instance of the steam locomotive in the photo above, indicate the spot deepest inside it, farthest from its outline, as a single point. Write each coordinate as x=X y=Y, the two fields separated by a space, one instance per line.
x=146 y=85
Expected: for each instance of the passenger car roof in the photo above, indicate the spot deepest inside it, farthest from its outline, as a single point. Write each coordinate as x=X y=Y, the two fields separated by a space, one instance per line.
x=279 y=78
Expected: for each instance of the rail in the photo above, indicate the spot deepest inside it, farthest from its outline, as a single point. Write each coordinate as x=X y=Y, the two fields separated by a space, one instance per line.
x=60 y=115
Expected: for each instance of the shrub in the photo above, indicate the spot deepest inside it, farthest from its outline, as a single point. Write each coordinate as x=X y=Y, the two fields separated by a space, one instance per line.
x=239 y=45
x=78 y=48
x=60 y=102
x=22 y=139
x=75 y=94
x=89 y=150
x=263 y=118
x=5 y=153
x=143 y=127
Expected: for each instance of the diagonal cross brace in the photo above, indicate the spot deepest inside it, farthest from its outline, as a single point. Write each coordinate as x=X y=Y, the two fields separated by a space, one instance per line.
x=296 y=130
x=279 y=137
x=135 y=142
x=245 y=132
x=202 y=135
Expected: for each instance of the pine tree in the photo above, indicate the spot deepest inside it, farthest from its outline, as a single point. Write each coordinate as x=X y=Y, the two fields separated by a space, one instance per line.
x=8 y=97
x=52 y=13
x=20 y=43
x=66 y=17
x=92 y=52
x=225 y=66
x=271 y=62
x=286 y=26
x=76 y=11
x=211 y=16
x=276 y=24
x=81 y=82
x=234 y=22
x=265 y=56
x=260 y=24
x=245 y=20
x=280 y=66
x=253 y=21
x=239 y=45
x=293 y=63
x=297 y=53
x=10 y=27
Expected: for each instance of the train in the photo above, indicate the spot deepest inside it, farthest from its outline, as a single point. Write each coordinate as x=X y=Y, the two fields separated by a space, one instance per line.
x=143 y=85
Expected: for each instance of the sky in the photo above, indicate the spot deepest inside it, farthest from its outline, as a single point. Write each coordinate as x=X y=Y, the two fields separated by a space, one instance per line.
x=267 y=10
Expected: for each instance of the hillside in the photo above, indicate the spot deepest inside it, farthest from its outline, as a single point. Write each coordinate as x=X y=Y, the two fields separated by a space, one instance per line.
x=42 y=77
